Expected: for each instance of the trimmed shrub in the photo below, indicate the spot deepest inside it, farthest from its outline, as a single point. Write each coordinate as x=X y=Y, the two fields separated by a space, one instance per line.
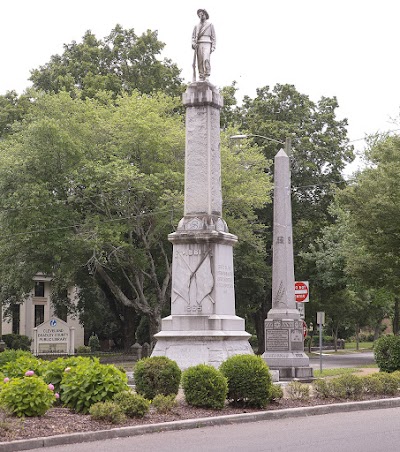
x=164 y=404
x=387 y=353
x=108 y=411
x=276 y=392
x=133 y=405
x=94 y=343
x=157 y=375
x=298 y=391
x=372 y=385
x=249 y=380
x=27 y=396
x=389 y=383
x=323 y=388
x=204 y=386
x=89 y=383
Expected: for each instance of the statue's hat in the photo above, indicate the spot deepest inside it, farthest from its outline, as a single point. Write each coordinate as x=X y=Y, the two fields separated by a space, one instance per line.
x=204 y=11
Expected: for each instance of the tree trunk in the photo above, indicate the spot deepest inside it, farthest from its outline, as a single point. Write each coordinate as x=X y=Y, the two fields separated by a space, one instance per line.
x=357 y=336
x=154 y=327
x=258 y=319
x=396 y=316
x=335 y=335
x=377 y=330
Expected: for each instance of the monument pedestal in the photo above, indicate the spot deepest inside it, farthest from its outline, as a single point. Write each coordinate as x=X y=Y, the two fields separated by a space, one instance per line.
x=203 y=326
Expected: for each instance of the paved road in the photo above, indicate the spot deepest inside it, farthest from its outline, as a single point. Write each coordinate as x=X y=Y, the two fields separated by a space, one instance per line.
x=362 y=431
x=348 y=360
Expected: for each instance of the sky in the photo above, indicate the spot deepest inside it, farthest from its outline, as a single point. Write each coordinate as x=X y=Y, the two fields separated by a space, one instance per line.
x=343 y=48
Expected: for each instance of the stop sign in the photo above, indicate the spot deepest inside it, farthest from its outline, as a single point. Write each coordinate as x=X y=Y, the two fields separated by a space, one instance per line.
x=301 y=291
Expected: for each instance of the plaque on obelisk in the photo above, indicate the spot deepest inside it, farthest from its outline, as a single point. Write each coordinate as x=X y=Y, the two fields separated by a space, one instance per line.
x=284 y=346
x=203 y=326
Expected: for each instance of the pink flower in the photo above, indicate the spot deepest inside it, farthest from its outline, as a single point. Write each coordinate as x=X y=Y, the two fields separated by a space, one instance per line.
x=67 y=369
x=6 y=380
x=56 y=395
x=51 y=387
x=29 y=373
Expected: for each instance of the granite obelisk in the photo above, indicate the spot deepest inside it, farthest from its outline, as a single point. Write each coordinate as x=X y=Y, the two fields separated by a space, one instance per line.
x=203 y=326
x=284 y=346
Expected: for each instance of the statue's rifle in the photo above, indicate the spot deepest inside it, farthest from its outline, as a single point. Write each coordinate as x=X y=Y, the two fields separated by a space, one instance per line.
x=194 y=65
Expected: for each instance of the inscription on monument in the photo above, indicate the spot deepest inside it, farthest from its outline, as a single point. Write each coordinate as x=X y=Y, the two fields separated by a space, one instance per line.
x=277 y=339
x=225 y=276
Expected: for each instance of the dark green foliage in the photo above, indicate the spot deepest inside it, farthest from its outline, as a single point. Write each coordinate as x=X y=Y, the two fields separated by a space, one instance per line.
x=204 y=386
x=164 y=404
x=249 y=380
x=157 y=375
x=387 y=353
x=90 y=383
x=133 y=405
x=17 y=341
x=94 y=343
x=107 y=411
x=27 y=396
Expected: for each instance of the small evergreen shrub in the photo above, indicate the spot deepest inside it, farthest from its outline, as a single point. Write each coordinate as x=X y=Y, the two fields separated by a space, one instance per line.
x=347 y=387
x=89 y=383
x=372 y=385
x=323 y=388
x=94 y=343
x=157 y=375
x=83 y=350
x=276 y=393
x=133 y=405
x=298 y=391
x=389 y=383
x=249 y=380
x=27 y=396
x=164 y=404
x=387 y=353
x=108 y=411
x=204 y=386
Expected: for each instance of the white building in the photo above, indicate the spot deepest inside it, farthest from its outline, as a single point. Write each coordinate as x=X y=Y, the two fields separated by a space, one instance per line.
x=37 y=308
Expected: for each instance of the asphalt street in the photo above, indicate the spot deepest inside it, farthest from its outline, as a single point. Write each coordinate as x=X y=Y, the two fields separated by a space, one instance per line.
x=345 y=360
x=360 y=431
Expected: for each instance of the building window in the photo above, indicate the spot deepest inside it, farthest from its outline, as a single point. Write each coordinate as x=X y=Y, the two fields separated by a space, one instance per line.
x=16 y=317
x=39 y=314
x=39 y=289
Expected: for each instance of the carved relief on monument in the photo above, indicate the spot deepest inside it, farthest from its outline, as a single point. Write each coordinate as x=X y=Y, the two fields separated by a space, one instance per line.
x=279 y=296
x=193 y=279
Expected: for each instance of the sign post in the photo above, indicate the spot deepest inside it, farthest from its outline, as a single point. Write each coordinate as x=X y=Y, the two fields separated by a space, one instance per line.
x=320 y=322
x=301 y=294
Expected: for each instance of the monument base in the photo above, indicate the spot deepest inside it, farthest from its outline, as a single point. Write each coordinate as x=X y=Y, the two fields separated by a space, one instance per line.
x=190 y=348
x=291 y=365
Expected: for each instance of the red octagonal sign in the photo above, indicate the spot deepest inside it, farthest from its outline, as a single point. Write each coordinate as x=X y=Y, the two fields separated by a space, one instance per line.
x=301 y=291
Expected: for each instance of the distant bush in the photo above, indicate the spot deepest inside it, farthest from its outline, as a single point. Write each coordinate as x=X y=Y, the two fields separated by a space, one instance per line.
x=157 y=375
x=83 y=350
x=17 y=341
x=108 y=411
x=94 y=343
x=249 y=380
x=133 y=405
x=387 y=353
x=204 y=386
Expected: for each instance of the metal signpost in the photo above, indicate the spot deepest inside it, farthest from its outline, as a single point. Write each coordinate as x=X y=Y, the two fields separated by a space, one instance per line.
x=320 y=322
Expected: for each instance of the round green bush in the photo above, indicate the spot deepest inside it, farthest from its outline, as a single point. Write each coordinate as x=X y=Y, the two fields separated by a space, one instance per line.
x=156 y=375
x=27 y=396
x=133 y=405
x=249 y=380
x=204 y=386
x=387 y=353
x=89 y=383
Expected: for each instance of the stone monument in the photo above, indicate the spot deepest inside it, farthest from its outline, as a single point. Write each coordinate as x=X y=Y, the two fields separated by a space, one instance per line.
x=202 y=327
x=284 y=346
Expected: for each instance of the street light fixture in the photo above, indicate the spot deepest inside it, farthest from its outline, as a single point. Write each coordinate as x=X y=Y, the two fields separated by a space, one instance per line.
x=287 y=144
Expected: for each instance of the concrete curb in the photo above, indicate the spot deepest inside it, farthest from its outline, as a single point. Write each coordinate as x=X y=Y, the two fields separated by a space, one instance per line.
x=196 y=423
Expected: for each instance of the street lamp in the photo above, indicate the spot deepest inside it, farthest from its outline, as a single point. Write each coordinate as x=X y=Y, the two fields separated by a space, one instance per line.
x=287 y=144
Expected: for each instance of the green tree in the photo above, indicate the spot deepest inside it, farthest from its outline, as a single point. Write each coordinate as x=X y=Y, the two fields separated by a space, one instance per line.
x=123 y=62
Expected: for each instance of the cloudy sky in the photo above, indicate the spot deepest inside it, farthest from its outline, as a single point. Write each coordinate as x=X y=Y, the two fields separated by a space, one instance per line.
x=343 y=48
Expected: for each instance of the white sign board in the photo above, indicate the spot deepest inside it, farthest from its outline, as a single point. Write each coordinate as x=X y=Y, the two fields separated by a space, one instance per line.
x=53 y=336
